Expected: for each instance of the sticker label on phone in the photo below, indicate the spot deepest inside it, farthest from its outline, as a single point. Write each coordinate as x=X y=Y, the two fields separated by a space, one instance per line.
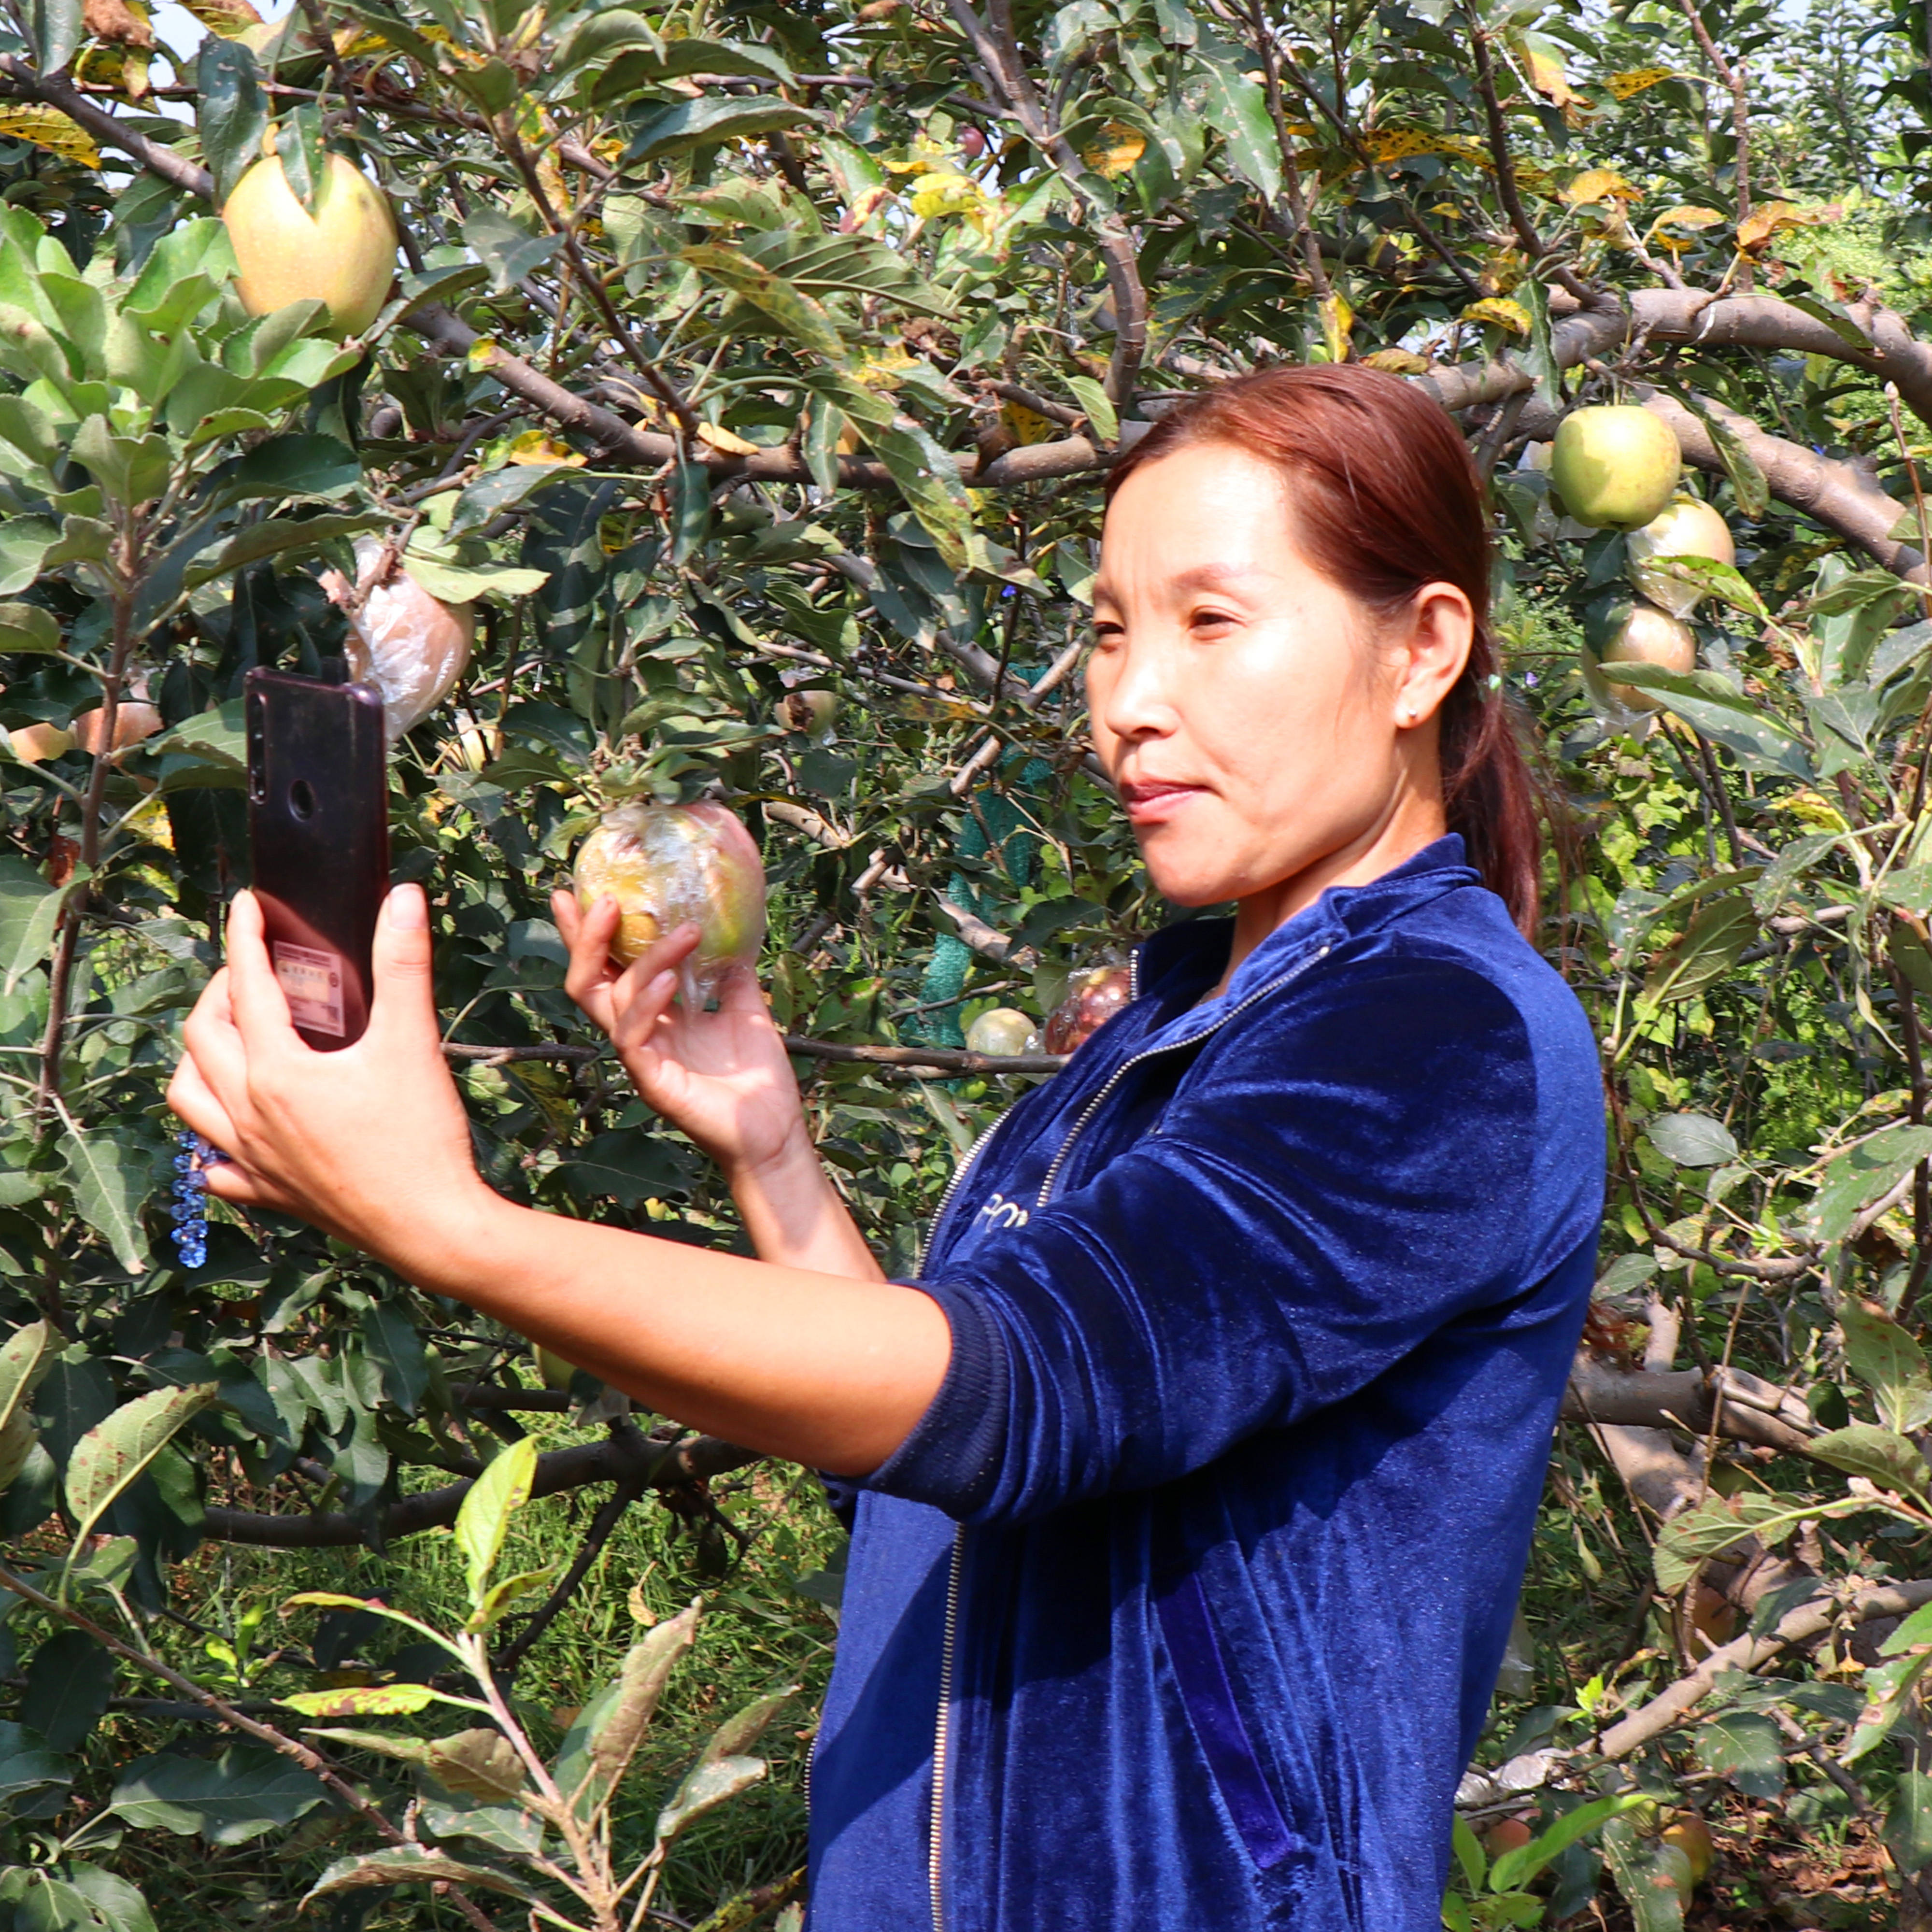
x=312 y=979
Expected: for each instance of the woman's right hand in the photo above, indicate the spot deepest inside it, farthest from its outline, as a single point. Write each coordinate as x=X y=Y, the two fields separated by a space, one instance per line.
x=723 y=1077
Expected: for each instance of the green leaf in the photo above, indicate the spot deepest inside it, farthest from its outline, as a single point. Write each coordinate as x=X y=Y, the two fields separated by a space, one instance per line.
x=1857 y=1177
x=68 y=1684
x=29 y=627
x=1654 y=1878
x=706 y=1786
x=1100 y=411
x=23 y=1361
x=1723 y=713
x=1469 y=1853
x=484 y=1520
x=244 y=1793
x=1881 y=1456
x=231 y=110
x=499 y=1597
x=1886 y=1359
x=1515 y=1868
x=1747 y=1748
x=408 y=1751
x=1748 y=484
x=803 y=320
x=54 y=27
x=29 y=914
x=113 y=1455
x=686 y=125
x=281 y=536
x=1714 y=1526
x=1236 y=108
x=299 y=144
x=411 y=1867
x=111 y=1180
x=1708 y=949
x=508 y=250
x=1692 y=1140
x=457 y=583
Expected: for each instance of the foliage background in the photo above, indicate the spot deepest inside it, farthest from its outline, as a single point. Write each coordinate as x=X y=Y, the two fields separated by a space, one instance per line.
x=742 y=348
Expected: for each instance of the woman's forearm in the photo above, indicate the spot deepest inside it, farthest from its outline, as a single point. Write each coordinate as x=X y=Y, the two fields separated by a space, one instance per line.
x=820 y=1366
x=796 y=1218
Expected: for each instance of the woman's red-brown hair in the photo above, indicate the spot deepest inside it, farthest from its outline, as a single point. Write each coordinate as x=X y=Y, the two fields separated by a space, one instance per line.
x=1385 y=500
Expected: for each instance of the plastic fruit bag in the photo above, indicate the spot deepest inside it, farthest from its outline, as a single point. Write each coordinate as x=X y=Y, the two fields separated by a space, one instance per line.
x=409 y=646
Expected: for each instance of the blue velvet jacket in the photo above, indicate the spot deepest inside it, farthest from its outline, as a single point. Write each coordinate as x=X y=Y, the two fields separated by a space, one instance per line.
x=1182 y=1605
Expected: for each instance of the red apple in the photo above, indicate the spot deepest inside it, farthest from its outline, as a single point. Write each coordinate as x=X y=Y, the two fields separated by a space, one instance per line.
x=1093 y=998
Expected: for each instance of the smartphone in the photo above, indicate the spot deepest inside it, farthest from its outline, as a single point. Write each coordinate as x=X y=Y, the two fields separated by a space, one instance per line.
x=319 y=838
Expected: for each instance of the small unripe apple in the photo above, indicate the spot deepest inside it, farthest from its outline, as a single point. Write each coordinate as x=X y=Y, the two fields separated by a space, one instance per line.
x=133 y=721
x=1688 y=527
x=1692 y=1836
x=1000 y=1030
x=1614 y=464
x=667 y=865
x=1093 y=998
x=1650 y=636
x=1507 y=1834
x=344 y=254
x=808 y=712
x=31 y=743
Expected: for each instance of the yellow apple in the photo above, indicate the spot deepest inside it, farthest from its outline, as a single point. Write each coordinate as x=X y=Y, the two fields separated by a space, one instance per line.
x=344 y=254
x=1614 y=464
x=1687 y=527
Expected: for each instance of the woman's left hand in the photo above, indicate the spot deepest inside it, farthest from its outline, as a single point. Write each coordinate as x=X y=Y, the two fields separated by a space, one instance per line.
x=369 y=1142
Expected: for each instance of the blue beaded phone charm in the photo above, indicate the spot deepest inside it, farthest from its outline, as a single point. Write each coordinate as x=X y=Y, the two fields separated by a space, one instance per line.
x=189 y=1211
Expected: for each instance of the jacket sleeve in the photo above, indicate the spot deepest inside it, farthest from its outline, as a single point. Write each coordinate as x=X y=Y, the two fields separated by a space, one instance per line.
x=1317 y=1202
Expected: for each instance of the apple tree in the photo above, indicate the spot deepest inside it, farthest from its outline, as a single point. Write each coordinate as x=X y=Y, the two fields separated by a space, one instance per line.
x=735 y=389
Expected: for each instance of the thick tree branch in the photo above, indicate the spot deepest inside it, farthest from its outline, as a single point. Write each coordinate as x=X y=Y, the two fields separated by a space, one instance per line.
x=1753 y=1411
x=1805 y=1624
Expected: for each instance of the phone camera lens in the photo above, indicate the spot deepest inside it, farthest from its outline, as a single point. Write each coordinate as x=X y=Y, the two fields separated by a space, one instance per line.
x=301 y=800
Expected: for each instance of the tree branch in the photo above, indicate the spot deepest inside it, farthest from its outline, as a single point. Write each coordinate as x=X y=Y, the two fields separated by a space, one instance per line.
x=631 y=1458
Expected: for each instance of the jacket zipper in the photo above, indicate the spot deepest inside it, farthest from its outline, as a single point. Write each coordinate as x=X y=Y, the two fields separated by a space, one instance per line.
x=942 y=1728
x=1114 y=1079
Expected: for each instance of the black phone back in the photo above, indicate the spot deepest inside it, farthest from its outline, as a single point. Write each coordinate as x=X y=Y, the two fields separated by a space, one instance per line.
x=318 y=835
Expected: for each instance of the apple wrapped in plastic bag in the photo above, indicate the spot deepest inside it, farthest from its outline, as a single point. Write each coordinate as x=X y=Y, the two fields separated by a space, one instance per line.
x=410 y=647
x=667 y=865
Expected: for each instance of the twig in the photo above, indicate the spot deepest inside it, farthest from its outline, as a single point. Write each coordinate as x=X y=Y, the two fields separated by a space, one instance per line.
x=610 y=1513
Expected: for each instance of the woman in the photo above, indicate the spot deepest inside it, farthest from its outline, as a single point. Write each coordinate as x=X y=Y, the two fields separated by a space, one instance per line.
x=1195 y=1477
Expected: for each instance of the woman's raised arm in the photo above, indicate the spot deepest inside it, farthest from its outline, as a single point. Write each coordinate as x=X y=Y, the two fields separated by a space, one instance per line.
x=371 y=1143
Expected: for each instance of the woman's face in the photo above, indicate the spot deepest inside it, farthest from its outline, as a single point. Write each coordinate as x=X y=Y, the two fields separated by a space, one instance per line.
x=1268 y=740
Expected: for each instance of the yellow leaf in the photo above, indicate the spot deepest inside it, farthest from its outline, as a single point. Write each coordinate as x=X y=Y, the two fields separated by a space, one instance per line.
x=1337 y=319
x=727 y=441
x=48 y=127
x=533 y=449
x=1114 y=150
x=1687 y=217
x=1399 y=144
x=1501 y=311
x=1398 y=361
x=1543 y=65
x=881 y=368
x=1026 y=425
x=1813 y=808
x=1762 y=223
x=1635 y=79
x=227 y=18
x=1600 y=184
x=947 y=194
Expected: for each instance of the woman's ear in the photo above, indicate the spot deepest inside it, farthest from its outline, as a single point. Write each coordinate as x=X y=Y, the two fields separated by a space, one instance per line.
x=1431 y=653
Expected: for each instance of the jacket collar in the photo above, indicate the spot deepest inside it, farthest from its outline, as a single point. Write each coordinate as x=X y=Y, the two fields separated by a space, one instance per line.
x=1192 y=954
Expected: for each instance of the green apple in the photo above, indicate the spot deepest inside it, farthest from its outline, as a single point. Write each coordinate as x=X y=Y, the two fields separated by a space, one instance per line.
x=1614 y=464
x=1000 y=1030
x=1648 y=635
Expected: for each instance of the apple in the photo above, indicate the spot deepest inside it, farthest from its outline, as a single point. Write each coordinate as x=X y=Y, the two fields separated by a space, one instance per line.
x=808 y=712
x=31 y=743
x=1507 y=1834
x=1650 y=636
x=1692 y=1836
x=411 y=647
x=344 y=254
x=1093 y=998
x=1614 y=464
x=133 y=720
x=669 y=865
x=1687 y=527
x=1000 y=1030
